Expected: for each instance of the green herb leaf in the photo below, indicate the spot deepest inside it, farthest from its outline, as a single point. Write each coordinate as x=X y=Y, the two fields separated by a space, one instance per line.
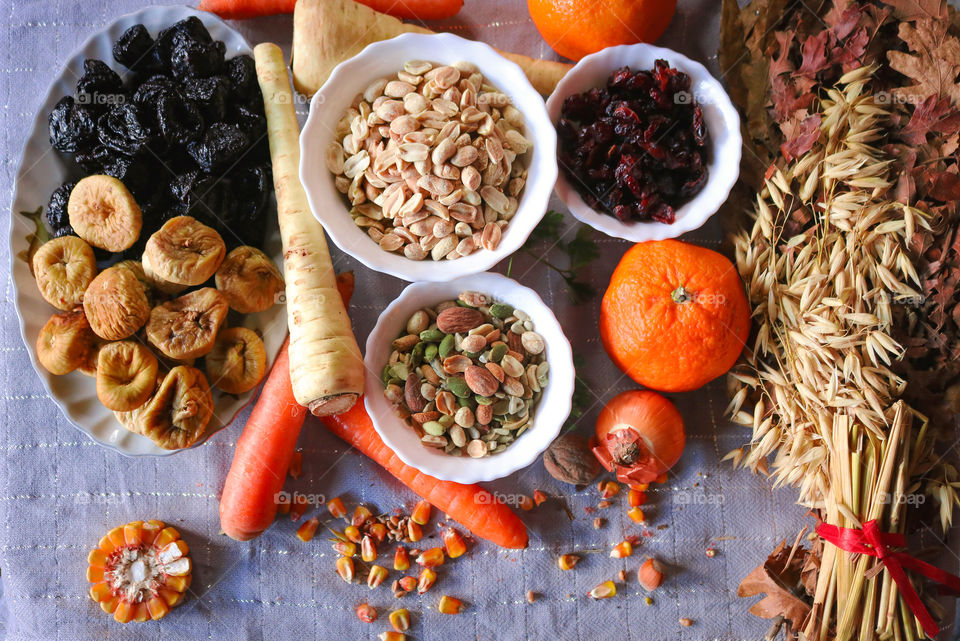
x=582 y=249
x=548 y=228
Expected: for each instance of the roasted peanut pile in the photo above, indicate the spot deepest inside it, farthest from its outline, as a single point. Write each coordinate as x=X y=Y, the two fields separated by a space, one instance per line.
x=467 y=374
x=431 y=161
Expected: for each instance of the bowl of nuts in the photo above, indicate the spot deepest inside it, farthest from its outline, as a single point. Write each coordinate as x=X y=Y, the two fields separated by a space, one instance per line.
x=468 y=380
x=426 y=148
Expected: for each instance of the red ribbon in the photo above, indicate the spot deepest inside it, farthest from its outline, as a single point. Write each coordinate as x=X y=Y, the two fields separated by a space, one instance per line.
x=872 y=542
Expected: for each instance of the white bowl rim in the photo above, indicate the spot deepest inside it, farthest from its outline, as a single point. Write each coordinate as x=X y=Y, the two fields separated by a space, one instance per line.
x=534 y=200
x=466 y=469
x=139 y=16
x=688 y=218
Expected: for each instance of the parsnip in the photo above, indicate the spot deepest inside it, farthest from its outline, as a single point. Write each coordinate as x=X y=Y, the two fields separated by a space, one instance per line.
x=326 y=367
x=327 y=32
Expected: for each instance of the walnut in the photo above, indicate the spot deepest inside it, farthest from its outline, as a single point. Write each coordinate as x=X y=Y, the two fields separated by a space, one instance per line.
x=570 y=460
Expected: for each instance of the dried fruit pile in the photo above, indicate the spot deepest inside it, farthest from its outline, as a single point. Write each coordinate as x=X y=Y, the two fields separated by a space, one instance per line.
x=636 y=148
x=185 y=132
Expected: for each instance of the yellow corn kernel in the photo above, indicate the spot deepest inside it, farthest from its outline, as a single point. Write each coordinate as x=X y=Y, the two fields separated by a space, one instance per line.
x=94 y=574
x=165 y=537
x=636 y=498
x=450 y=605
x=391 y=635
x=124 y=612
x=141 y=613
x=345 y=548
x=308 y=530
x=454 y=543
x=97 y=558
x=608 y=489
x=621 y=550
x=431 y=558
x=636 y=515
x=407 y=583
x=400 y=620
x=158 y=608
x=378 y=574
x=539 y=498
x=298 y=507
x=526 y=503
x=605 y=590
x=345 y=568
x=421 y=513
x=366 y=613
x=296 y=465
x=336 y=508
x=414 y=533
x=100 y=592
x=116 y=537
x=178 y=583
x=401 y=560
x=171 y=597
x=361 y=515
x=378 y=531
x=106 y=545
x=427 y=578
x=352 y=533
x=368 y=549
x=132 y=533
x=110 y=605
x=150 y=531
x=640 y=487
x=567 y=561
x=283 y=507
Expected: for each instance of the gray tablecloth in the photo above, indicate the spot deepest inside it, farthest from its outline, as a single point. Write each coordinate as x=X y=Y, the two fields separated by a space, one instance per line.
x=59 y=491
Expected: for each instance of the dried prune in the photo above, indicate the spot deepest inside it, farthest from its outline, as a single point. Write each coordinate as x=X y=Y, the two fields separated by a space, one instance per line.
x=251 y=120
x=639 y=142
x=99 y=85
x=134 y=49
x=195 y=59
x=179 y=119
x=122 y=129
x=150 y=90
x=72 y=126
x=219 y=147
x=190 y=29
x=242 y=72
x=211 y=95
x=56 y=215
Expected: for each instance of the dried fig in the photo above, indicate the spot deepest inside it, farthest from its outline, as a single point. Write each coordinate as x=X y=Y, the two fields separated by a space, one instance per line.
x=89 y=365
x=249 y=280
x=64 y=268
x=187 y=326
x=178 y=413
x=65 y=342
x=184 y=251
x=116 y=303
x=157 y=283
x=570 y=460
x=126 y=375
x=103 y=212
x=238 y=360
x=131 y=419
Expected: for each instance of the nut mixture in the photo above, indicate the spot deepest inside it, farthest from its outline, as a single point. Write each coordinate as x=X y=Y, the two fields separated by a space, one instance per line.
x=467 y=374
x=431 y=161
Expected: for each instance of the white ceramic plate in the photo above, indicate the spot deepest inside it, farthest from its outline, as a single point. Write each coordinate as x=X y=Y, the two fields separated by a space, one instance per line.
x=382 y=59
x=549 y=414
x=41 y=171
x=723 y=124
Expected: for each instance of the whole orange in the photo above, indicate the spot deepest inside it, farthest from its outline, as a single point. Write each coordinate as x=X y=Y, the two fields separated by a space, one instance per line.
x=675 y=316
x=575 y=28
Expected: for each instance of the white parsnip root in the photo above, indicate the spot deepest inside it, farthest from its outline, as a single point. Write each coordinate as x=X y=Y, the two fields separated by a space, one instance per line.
x=326 y=367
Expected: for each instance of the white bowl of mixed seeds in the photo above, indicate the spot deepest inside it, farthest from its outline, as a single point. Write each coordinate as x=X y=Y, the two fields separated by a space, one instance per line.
x=428 y=148
x=468 y=380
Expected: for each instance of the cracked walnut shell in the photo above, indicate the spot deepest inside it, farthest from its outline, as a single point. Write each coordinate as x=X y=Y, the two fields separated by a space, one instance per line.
x=116 y=303
x=186 y=327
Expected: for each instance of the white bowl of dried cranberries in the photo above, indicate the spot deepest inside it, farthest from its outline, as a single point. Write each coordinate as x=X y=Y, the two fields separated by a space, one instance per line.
x=648 y=142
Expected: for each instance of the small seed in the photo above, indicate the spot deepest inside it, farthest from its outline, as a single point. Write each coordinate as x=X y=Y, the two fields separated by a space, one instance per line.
x=476 y=449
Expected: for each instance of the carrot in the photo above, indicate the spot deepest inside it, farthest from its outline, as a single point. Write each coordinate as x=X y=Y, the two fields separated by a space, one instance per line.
x=326 y=367
x=471 y=505
x=248 y=504
x=242 y=9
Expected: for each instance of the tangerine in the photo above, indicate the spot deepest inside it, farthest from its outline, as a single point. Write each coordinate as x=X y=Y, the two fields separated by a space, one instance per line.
x=575 y=28
x=675 y=316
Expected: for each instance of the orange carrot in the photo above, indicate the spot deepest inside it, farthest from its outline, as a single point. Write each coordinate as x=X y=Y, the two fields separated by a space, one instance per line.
x=264 y=450
x=471 y=505
x=410 y=9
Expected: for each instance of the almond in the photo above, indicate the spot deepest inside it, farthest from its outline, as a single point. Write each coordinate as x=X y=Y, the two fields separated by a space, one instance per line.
x=411 y=394
x=484 y=414
x=423 y=417
x=458 y=319
x=481 y=381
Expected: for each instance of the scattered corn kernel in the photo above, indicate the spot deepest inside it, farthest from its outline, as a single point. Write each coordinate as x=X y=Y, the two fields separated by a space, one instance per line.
x=308 y=530
x=378 y=574
x=648 y=600
x=407 y=583
x=453 y=543
x=283 y=507
x=298 y=507
x=598 y=523
x=604 y=504
x=531 y=596
x=650 y=575
x=686 y=622
x=661 y=479
x=401 y=560
x=526 y=503
x=621 y=550
x=636 y=515
x=336 y=507
x=296 y=465
x=421 y=513
x=640 y=487
x=605 y=590
x=567 y=561
x=400 y=620
x=345 y=568
x=378 y=531
x=368 y=549
x=622 y=576
x=352 y=532
x=636 y=498
x=427 y=578
x=366 y=613
x=414 y=533
x=450 y=605
x=539 y=498
x=608 y=489
x=361 y=515
x=711 y=552
x=431 y=558
x=391 y=635
x=345 y=548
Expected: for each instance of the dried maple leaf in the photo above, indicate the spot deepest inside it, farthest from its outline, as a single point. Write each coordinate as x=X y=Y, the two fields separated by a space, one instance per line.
x=916 y=9
x=781 y=582
x=800 y=135
x=933 y=115
x=934 y=64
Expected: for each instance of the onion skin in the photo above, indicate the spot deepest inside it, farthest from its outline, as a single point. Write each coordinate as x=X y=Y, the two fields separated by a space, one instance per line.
x=639 y=435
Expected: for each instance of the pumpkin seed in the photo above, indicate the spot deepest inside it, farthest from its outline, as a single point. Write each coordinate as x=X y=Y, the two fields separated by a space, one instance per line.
x=497 y=352
x=458 y=386
x=447 y=345
x=434 y=428
x=501 y=310
x=432 y=335
x=430 y=352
